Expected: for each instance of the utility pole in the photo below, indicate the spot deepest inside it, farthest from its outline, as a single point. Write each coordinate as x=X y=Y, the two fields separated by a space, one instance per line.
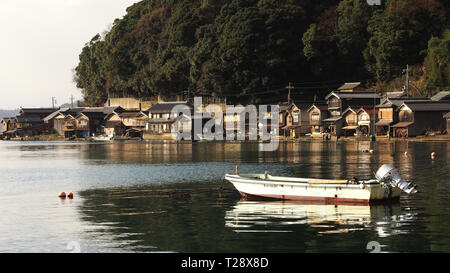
x=71 y=100
x=289 y=87
x=407 y=80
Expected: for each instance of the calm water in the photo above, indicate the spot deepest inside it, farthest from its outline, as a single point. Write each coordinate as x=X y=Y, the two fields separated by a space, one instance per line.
x=156 y=197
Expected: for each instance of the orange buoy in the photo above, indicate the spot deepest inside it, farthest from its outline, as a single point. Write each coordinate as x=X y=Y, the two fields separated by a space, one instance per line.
x=406 y=154
x=433 y=155
x=62 y=195
x=70 y=195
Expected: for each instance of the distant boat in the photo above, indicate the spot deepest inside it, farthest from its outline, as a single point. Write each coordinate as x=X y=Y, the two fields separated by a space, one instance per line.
x=103 y=138
x=388 y=185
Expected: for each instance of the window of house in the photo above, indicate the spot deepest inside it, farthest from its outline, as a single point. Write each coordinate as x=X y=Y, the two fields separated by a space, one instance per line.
x=295 y=117
x=315 y=117
x=335 y=113
x=364 y=117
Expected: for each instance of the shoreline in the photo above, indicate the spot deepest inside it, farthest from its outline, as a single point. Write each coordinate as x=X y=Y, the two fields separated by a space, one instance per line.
x=436 y=138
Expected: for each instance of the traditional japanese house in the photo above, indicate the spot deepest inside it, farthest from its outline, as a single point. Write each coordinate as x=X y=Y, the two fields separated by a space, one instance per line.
x=64 y=127
x=232 y=121
x=317 y=113
x=417 y=117
x=134 y=119
x=388 y=112
x=350 y=122
x=30 y=121
x=58 y=117
x=338 y=101
x=163 y=115
x=8 y=124
x=9 y=127
x=297 y=119
x=367 y=117
x=114 y=125
x=88 y=123
x=67 y=125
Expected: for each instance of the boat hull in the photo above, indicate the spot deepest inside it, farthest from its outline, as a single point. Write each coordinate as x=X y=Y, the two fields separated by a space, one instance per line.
x=326 y=193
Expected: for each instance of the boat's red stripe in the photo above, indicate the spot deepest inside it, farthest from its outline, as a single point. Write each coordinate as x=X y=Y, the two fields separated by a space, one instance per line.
x=326 y=200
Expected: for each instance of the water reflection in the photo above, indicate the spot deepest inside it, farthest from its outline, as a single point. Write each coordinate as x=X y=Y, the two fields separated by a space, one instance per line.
x=124 y=197
x=281 y=216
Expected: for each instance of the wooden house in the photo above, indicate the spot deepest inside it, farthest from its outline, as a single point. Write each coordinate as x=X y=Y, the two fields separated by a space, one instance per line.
x=161 y=118
x=388 y=112
x=59 y=121
x=30 y=121
x=67 y=125
x=317 y=113
x=89 y=122
x=9 y=127
x=8 y=124
x=134 y=119
x=339 y=101
x=417 y=117
x=114 y=125
x=64 y=127
x=232 y=121
x=297 y=119
x=367 y=117
x=350 y=122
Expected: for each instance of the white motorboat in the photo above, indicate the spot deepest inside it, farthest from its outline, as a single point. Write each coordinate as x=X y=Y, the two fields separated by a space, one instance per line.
x=387 y=185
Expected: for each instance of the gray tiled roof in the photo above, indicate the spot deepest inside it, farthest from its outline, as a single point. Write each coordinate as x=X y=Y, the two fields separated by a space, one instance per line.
x=166 y=107
x=427 y=105
x=441 y=95
x=29 y=111
x=28 y=118
x=349 y=85
x=354 y=95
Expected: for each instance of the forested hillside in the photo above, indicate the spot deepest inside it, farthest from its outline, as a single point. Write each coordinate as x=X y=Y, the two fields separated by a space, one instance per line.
x=246 y=49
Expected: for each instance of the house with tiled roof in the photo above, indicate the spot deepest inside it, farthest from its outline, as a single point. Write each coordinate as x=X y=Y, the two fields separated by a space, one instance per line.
x=418 y=117
x=317 y=113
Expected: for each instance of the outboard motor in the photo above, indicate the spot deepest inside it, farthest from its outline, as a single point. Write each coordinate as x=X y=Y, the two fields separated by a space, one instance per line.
x=389 y=175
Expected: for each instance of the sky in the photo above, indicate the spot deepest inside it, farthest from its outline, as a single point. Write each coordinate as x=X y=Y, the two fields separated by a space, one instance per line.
x=40 y=41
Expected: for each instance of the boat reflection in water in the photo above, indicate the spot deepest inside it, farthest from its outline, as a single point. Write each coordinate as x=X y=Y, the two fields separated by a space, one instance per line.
x=284 y=216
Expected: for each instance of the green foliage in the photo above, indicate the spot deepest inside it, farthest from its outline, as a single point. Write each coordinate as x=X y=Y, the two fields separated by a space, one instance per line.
x=334 y=44
x=236 y=47
x=437 y=64
x=399 y=35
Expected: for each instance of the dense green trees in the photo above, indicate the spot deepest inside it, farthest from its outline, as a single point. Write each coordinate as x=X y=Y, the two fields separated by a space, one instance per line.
x=437 y=64
x=399 y=35
x=239 y=47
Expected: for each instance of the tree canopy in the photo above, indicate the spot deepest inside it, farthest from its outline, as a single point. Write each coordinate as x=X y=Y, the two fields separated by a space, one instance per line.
x=236 y=47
